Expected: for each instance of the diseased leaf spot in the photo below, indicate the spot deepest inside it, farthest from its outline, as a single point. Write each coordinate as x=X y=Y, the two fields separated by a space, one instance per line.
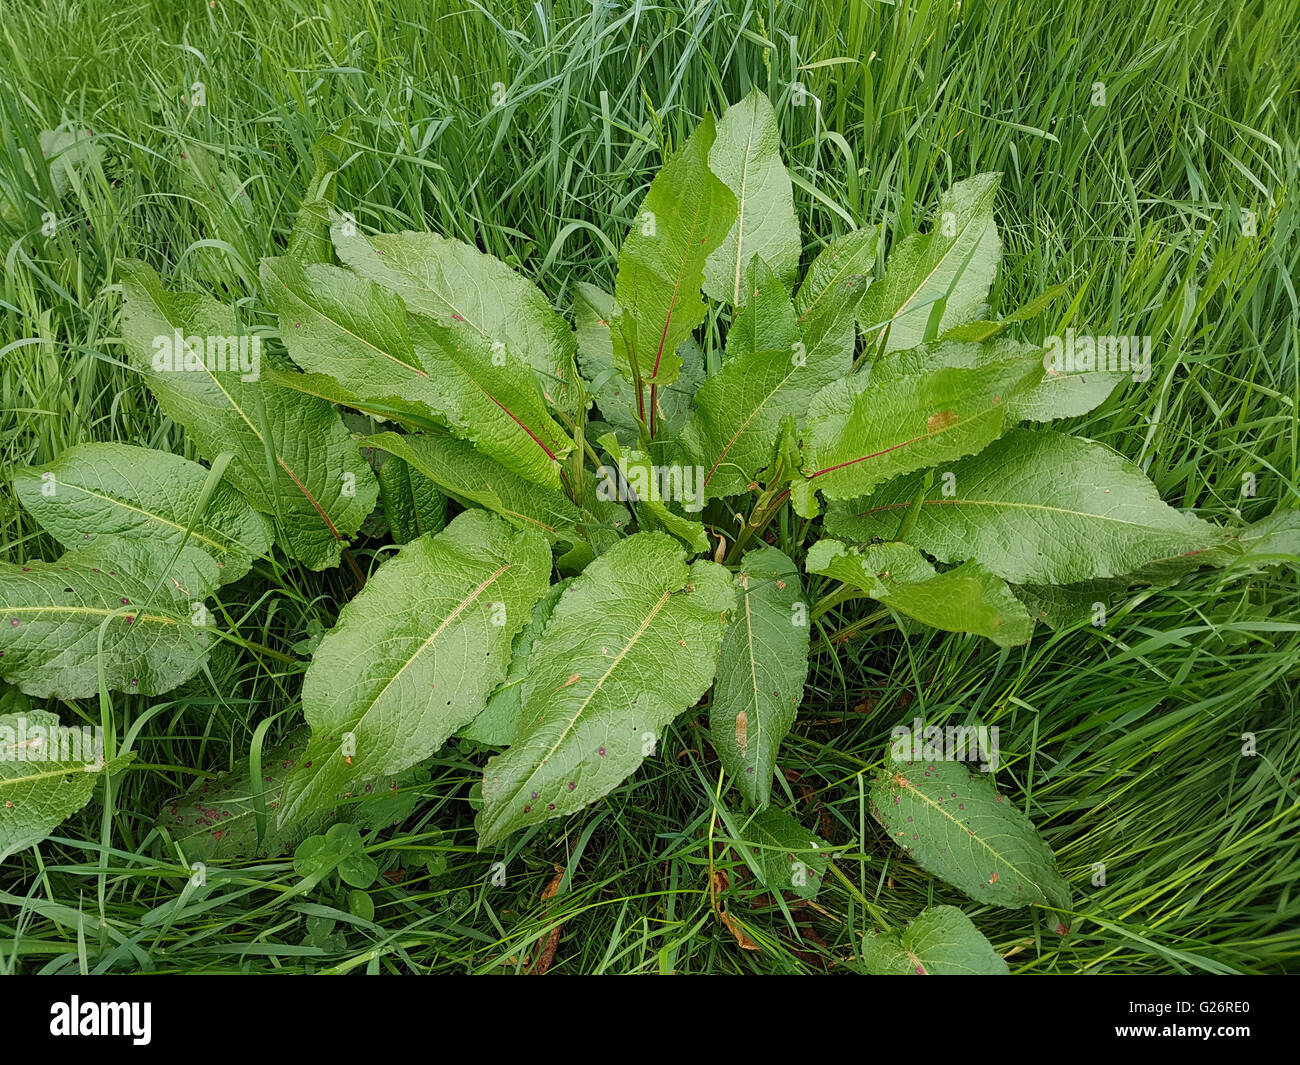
x=936 y=423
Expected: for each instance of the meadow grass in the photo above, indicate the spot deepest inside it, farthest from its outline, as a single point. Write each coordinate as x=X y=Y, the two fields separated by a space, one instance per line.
x=532 y=131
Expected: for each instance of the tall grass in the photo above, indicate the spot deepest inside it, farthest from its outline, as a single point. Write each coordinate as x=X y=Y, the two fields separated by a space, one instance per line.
x=1167 y=210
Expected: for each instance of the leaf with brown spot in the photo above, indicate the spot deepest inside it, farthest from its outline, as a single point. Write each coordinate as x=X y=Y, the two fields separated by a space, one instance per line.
x=936 y=423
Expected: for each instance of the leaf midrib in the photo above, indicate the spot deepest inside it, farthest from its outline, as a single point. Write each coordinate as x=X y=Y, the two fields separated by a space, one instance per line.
x=740 y=205
x=745 y=424
x=904 y=307
x=279 y=459
x=62 y=771
x=830 y=284
x=950 y=427
x=640 y=631
x=753 y=680
x=194 y=533
x=450 y=352
x=1013 y=504
x=98 y=611
x=915 y=789
x=459 y=609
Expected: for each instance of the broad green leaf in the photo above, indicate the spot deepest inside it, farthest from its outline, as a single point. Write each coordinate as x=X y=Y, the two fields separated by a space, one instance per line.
x=412 y=503
x=747 y=156
x=1265 y=542
x=761 y=671
x=790 y=858
x=498 y=724
x=862 y=433
x=614 y=395
x=632 y=643
x=1271 y=541
x=765 y=376
x=355 y=331
x=942 y=941
x=51 y=614
x=410 y=413
x=457 y=468
x=361 y=905
x=685 y=215
x=216 y=820
x=828 y=299
x=942 y=276
x=651 y=487
x=415 y=654
x=473 y=293
x=293 y=458
x=309 y=240
x=966 y=599
x=1065 y=395
x=66 y=151
x=48 y=772
x=335 y=323
x=1065 y=605
x=217 y=188
x=953 y=824
x=1034 y=507
x=122 y=493
x=1057 y=395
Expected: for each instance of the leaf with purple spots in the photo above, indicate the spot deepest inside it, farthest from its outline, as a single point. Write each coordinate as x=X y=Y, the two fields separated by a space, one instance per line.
x=216 y=819
x=52 y=614
x=952 y=823
x=127 y=494
x=46 y=776
x=632 y=643
x=789 y=857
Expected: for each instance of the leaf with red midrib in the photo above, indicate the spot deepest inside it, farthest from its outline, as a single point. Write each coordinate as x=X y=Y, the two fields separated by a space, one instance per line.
x=685 y=215
x=293 y=458
x=861 y=433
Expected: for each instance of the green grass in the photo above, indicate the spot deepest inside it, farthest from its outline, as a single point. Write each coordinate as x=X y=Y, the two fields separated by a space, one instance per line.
x=1123 y=744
